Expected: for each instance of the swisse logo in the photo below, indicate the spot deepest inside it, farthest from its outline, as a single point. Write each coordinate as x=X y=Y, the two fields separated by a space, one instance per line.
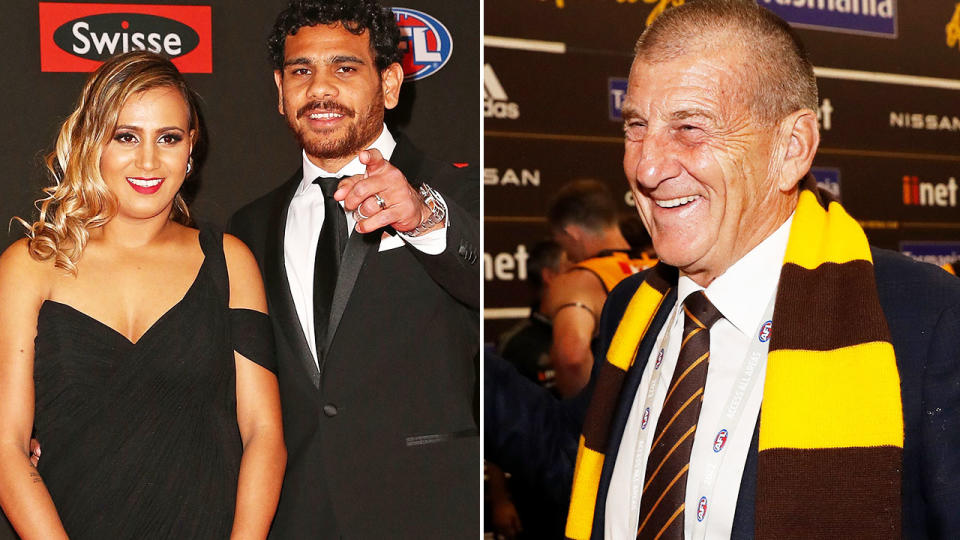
x=99 y=37
x=426 y=42
x=78 y=37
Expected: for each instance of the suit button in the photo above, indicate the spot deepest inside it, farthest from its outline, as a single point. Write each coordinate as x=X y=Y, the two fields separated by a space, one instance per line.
x=330 y=410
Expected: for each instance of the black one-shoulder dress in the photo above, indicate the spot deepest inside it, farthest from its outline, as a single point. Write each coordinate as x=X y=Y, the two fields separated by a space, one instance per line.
x=140 y=440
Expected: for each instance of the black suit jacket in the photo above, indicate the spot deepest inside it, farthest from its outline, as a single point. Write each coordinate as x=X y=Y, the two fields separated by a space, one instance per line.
x=382 y=441
x=922 y=307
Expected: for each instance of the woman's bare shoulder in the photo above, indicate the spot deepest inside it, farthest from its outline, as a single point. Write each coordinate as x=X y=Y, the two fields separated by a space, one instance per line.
x=21 y=272
x=246 y=286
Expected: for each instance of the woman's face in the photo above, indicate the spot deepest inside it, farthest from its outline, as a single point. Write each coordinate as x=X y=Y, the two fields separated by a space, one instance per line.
x=145 y=160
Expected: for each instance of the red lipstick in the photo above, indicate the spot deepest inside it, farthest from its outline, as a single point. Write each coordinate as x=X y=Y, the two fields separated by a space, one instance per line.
x=146 y=186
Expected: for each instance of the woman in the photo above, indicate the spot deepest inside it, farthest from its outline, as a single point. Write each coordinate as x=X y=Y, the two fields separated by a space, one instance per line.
x=119 y=332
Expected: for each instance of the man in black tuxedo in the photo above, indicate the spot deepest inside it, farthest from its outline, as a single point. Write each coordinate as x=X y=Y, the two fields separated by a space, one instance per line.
x=369 y=254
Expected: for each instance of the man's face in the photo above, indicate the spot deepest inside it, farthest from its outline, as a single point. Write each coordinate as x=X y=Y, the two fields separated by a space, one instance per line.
x=697 y=161
x=331 y=92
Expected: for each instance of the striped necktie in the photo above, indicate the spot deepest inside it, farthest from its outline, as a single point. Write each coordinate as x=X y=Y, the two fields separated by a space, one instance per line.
x=661 y=505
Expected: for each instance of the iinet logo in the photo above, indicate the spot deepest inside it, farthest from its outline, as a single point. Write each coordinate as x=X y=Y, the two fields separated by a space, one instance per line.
x=917 y=193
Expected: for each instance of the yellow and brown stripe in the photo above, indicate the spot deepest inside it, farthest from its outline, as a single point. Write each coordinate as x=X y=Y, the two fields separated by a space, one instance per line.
x=831 y=423
x=606 y=393
x=664 y=490
x=831 y=427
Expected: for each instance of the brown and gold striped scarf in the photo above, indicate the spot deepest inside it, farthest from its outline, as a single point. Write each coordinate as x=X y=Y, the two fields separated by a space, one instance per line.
x=831 y=424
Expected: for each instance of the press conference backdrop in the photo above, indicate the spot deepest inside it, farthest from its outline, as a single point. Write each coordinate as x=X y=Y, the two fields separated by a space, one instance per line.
x=221 y=44
x=554 y=80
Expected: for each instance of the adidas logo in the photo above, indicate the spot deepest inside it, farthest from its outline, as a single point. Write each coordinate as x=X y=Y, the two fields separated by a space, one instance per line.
x=496 y=104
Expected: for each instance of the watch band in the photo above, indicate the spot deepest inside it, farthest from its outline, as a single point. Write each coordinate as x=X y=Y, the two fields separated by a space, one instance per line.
x=438 y=212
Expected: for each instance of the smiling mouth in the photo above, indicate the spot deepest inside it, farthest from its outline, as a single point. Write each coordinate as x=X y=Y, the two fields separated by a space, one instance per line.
x=324 y=116
x=679 y=201
x=324 y=110
x=144 y=182
x=145 y=186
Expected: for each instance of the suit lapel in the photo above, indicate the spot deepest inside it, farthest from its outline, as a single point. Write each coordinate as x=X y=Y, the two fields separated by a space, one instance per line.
x=624 y=406
x=360 y=246
x=282 y=306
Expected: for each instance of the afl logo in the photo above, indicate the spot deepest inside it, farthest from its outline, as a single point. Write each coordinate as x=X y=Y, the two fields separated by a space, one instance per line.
x=720 y=440
x=659 y=360
x=765 y=331
x=425 y=42
x=646 y=416
x=702 y=509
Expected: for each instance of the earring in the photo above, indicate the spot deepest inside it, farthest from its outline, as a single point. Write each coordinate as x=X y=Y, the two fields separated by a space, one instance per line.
x=189 y=165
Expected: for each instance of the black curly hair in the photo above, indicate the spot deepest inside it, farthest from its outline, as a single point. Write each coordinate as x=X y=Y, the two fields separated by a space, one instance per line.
x=356 y=16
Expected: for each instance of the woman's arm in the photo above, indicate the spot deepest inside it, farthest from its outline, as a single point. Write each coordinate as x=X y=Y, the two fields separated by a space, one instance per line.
x=23 y=495
x=258 y=410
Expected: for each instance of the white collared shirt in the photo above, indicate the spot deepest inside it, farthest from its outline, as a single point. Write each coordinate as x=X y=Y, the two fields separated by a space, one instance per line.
x=742 y=295
x=302 y=231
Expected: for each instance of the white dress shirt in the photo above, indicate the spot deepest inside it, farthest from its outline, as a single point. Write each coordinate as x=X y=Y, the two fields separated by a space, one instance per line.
x=742 y=295
x=302 y=231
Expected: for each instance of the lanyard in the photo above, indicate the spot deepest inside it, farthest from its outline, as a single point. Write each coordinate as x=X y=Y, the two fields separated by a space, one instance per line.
x=732 y=413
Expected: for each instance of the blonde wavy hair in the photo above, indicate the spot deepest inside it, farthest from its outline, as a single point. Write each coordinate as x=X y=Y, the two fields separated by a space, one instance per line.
x=79 y=199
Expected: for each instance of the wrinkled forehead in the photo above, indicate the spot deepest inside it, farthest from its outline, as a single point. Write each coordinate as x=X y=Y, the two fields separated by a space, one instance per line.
x=705 y=79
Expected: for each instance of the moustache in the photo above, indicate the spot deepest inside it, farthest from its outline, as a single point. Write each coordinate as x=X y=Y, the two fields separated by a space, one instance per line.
x=325 y=107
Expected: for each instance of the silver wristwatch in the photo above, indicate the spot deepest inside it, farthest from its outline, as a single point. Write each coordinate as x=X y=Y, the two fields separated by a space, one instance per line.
x=438 y=212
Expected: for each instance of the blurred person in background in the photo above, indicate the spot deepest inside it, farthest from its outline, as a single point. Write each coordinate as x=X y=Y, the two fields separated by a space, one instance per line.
x=583 y=218
x=527 y=344
x=517 y=510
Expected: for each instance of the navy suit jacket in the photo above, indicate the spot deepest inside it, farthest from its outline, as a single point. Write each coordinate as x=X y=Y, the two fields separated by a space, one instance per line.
x=535 y=436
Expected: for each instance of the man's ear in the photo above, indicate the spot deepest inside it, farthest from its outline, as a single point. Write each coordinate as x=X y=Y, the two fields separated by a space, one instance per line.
x=278 y=78
x=573 y=231
x=390 y=80
x=803 y=140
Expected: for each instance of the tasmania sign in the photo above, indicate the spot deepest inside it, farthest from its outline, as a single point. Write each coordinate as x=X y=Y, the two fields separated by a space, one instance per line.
x=78 y=37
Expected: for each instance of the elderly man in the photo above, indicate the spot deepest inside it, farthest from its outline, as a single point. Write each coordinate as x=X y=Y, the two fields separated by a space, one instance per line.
x=768 y=299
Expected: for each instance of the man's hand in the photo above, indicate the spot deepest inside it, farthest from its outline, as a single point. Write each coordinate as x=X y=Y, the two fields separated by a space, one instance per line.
x=34 y=452
x=399 y=205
